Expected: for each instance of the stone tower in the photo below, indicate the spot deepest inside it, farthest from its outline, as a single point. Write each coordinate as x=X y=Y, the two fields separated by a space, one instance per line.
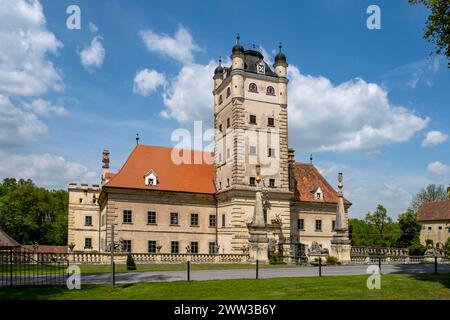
x=250 y=118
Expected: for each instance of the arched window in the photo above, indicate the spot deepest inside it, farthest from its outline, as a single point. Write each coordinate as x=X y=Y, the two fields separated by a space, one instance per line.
x=220 y=99
x=270 y=91
x=252 y=87
x=228 y=92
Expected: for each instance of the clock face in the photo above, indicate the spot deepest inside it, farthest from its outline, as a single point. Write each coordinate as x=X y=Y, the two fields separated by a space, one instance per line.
x=261 y=68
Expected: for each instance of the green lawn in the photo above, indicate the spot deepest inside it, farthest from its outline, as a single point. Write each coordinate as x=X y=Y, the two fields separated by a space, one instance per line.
x=399 y=286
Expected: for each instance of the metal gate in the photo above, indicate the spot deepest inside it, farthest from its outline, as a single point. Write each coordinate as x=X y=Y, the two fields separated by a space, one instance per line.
x=22 y=267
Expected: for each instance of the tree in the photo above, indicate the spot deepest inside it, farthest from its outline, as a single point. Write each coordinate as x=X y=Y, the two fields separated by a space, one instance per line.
x=430 y=193
x=437 y=27
x=409 y=228
x=379 y=219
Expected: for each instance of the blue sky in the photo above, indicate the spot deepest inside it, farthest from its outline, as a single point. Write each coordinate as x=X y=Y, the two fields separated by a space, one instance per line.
x=370 y=103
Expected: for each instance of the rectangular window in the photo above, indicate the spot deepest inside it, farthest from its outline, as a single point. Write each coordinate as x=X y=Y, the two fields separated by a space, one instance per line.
x=174 y=218
x=212 y=248
x=88 y=243
x=194 y=219
x=228 y=153
x=252 y=151
x=271 y=153
x=252 y=119
x=127 y=216
x=228 y=123
x=219 y=158
x=270 y=122
x=223 y=221
x=126 y=245
x=301 y=224
x=151 y=246
x=333 y=225
x=194 y=247
x=252 y=181
x=88 y=221
x=318 y=225
x=212 y=220
x=151 y=217
x=272 y=183
x=174 y=247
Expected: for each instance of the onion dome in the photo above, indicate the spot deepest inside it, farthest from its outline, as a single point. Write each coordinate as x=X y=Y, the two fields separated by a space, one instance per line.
x=219 y=69
x=237 y=47
x=280 y=57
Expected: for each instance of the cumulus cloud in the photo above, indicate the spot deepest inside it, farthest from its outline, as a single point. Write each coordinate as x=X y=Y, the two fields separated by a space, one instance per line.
x=180 y=47
x=93 y=56
x=354 y=115
x=25 y=44
x=434 y=138
x=188 y=97
x=438 y=171
x=47 y=170
x=45 y=108
x=18 y=126
x=147 y=81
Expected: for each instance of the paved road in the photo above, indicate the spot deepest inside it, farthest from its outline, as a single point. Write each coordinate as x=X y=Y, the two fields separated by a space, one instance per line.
x=157 y=276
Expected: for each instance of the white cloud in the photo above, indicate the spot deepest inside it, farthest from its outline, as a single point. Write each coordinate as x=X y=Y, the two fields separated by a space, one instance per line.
x=434 y=138
x=147 y=81
x=188 y=97
x=93 y=28
x=93 y=56
x=47 y=170
x=45 y=108
x=18 y=126
x=24 y=45
x=438 y=171
x=179 y=47
x=354 y=115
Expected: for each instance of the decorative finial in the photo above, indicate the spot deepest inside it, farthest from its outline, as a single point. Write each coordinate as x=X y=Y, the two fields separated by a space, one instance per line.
x=137 y=138
x=310 y=158
x=340 y=185
x=237 y=38
x=220 y=61
x=279 y=46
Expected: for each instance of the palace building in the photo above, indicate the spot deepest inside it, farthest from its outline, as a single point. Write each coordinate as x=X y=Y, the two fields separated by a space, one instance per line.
x=169 y=200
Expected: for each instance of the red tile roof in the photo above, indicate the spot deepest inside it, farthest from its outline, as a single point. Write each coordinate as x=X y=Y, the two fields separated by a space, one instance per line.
x=47 y=249
x=195 y=178
x=198 y=178
x=109 y=175
x=308 y=179
x=434 y=211
x=6 y=240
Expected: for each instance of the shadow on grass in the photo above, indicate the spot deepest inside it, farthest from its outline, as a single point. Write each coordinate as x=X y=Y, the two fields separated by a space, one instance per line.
x=442 y=278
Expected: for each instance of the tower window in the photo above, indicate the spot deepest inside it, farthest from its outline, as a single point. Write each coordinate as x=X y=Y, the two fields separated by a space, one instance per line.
x=252 y=119
x=252 y=181
x=228 y=153
x=220 y=99
x=223 y=221
x=228 y=182
x=252 y=87
x=219 y=157
x=270 y=122
x=272 y=183
x=220 y=185
x=270 y=91
x=220 y=127
x=228 y=122
x=271 y=153
x=333 y=225
x=252 y=151
x=228 y=92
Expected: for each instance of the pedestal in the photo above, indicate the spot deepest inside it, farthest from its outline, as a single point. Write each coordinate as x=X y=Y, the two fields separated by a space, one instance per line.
x=258 y=245
x=341 y=251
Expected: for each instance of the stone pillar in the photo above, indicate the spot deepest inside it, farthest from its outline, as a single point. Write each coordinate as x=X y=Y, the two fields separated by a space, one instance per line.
x=340 y=243
x=258 y=241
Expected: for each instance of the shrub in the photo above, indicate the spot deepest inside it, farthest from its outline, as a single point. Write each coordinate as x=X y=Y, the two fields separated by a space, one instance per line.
x=429 y=242
x=276 y=258
x=130 y=262
x=332 y=260
x=416 y=248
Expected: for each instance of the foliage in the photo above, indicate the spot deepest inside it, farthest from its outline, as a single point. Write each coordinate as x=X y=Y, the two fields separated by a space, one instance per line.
x=429 y=242
x=276 y=258
x=416 y=248
x=131 y=265
x=430 y=193
x=332 y=260
x=32 y=214
x=409 y=228
x=437 y=27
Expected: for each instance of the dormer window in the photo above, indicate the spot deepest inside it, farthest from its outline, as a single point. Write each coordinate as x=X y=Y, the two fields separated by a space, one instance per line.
x=270 y=91
x=252 y=87
x=318 y=194
x=151 y=179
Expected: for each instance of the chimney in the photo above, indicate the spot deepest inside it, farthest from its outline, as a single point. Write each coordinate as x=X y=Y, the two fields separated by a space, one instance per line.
x=105 y=165
x=291 y=166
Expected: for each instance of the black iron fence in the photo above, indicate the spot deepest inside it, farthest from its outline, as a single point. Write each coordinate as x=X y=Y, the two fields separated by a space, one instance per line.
x=22 y=267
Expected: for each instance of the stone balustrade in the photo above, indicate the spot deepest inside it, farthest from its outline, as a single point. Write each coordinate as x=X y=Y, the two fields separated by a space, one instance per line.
x=361 y=251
